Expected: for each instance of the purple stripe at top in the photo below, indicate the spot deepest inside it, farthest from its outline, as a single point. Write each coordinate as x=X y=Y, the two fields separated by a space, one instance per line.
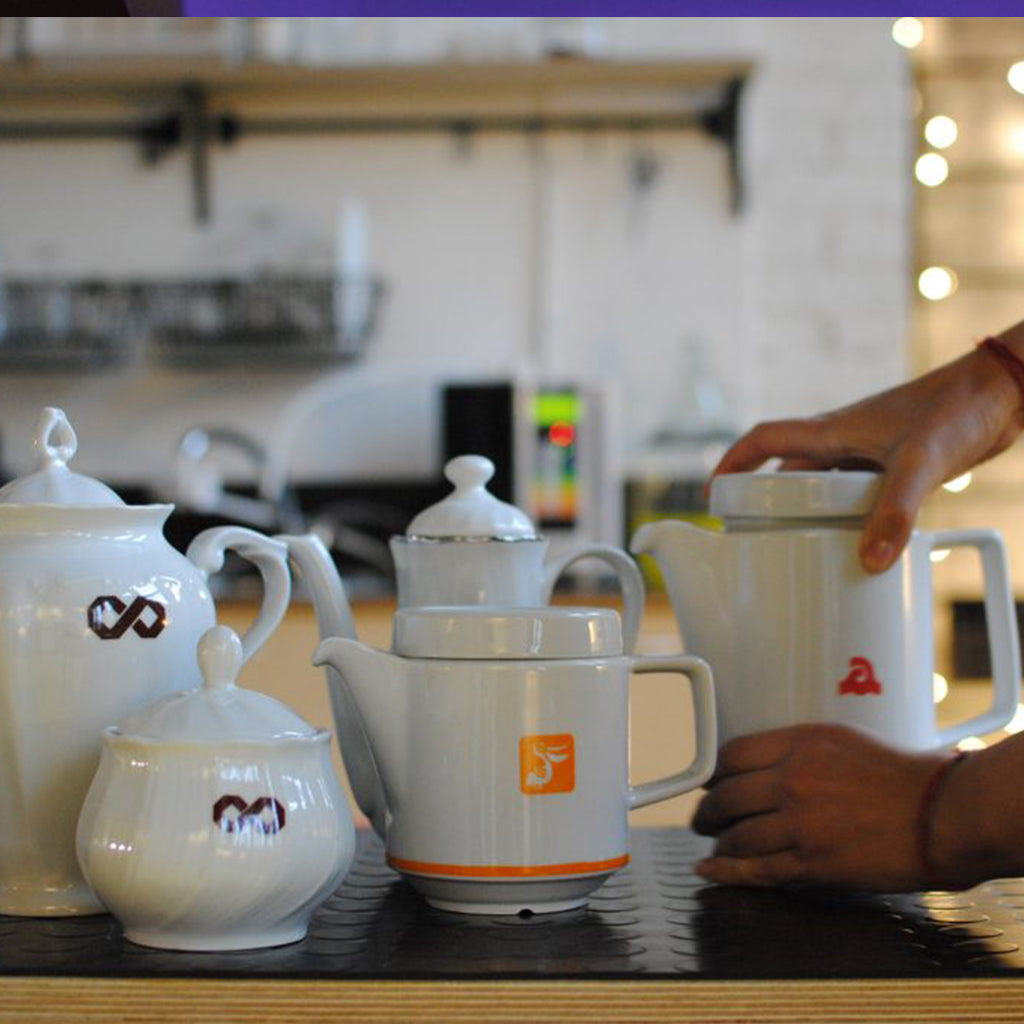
x=595 y=8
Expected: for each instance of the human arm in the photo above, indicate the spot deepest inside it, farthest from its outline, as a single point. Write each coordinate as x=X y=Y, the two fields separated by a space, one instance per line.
x=918 y=434
x=830 y=805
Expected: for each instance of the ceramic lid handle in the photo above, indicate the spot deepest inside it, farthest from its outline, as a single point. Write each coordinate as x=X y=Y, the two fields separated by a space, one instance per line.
x=220 y=656
x=468 y=471
x=55 y=441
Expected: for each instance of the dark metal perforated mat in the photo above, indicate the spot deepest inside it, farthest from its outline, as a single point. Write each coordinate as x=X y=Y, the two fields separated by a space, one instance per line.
x=653 y=919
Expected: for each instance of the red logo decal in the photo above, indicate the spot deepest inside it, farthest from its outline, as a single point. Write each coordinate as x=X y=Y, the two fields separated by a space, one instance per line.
x=861 y=679
x=234 y=814
x=128 y=616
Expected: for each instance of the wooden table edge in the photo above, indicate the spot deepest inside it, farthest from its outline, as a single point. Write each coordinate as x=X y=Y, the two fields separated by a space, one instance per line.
x=141 y=1000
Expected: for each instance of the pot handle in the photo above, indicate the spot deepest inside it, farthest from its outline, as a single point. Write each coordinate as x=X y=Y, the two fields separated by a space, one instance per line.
x=270 y=556
x=1001 y=623
x=706 y=728
x=630 y=581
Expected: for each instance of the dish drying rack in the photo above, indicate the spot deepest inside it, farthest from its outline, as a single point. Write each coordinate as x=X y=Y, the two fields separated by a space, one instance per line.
x=48 y=325
x=262 y=321
x=270 y=321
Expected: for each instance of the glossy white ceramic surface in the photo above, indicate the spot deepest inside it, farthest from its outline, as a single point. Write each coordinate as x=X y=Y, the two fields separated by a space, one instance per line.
x=504 y=574
x=796 y=631
x=215 y=846
x=471 y=510
x=506 y=633
x=508 y=780
x=98 y=616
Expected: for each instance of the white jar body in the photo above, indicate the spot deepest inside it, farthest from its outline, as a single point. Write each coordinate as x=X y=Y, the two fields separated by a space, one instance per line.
x=100 y=615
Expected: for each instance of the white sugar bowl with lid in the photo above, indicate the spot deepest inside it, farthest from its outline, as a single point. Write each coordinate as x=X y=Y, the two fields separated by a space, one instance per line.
x=215 y=820
x=473 y=549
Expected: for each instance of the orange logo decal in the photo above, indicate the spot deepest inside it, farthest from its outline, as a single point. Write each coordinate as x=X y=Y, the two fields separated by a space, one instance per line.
x=547 y=764
x=861 y=679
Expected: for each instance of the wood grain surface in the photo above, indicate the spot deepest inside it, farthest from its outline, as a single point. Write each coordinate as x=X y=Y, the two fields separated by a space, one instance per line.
x=44 y=1000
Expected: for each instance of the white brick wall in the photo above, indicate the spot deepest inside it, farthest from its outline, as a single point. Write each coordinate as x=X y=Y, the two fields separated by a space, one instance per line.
x=802 y=298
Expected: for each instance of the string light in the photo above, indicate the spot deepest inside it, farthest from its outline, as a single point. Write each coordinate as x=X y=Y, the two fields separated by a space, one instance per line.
x=931 y=169
x=1015 y=76
x=936 y=283
x=908 y=32
x=940 y=688
x=938 y=555
x=941 y=131
x=972 y=743
x=958 y=483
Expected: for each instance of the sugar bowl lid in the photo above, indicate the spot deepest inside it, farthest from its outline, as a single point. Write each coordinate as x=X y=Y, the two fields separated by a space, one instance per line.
x=471 y=512
x=794 y=495
x=486 y=633
x=218 y=711
x=52 y=483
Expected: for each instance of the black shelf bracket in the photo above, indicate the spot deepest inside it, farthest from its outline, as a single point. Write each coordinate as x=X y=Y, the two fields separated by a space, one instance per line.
x=191 y=124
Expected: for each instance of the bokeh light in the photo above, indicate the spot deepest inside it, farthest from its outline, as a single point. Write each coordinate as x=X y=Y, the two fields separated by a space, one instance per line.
x=931 y=169
x=941 y=131
x=936 y=283
x=908 y=32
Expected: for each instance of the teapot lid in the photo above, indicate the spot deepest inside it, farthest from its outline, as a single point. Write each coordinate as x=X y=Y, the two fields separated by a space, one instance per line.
x=471 y=511
x=218 y=711
x=486 y=633
x=52 y=483
x=793 y=495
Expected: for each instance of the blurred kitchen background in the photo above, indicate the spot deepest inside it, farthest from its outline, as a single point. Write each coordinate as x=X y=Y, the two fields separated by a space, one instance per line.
x=277 y=270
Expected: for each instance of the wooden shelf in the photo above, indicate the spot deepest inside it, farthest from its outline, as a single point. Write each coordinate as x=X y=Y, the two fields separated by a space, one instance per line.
x=406 y=82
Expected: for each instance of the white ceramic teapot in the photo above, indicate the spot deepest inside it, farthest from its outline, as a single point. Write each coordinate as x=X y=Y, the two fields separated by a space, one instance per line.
x=215 y=820
x=502 y=738
x=472 y=549
x=469 y=549
x=98 y=616
x=797 y=631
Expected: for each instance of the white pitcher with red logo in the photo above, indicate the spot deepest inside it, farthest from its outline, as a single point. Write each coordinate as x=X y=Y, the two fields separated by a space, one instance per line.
x=796 y=631
x=98 y=616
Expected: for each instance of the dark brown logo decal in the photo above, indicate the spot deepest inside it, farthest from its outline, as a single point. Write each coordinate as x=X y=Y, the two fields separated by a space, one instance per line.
x=132 y=616
x=234 y=814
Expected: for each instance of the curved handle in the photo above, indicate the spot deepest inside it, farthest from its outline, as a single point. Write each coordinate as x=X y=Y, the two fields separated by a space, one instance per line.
x=1001 y=622
x=269 y=556
x=706 y=728
x=630 y=581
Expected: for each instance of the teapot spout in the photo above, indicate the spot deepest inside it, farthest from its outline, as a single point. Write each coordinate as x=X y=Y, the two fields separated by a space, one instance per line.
x=690 y=559
x=334 y=619
x=377 y=683
x=309 y=554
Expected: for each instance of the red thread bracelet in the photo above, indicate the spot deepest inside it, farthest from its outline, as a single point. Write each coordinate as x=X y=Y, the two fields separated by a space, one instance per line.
x=926 y=814
x=1010 y=361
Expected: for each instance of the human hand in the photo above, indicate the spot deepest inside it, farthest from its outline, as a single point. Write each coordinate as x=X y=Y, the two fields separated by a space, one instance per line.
x=815 y=805
x=919 y=435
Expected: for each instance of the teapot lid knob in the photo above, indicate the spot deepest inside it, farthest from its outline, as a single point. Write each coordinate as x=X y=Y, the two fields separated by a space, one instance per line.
x=52 y=483
x=220 y=656
x=468 y=471
x=471 y=512
x=55 y=440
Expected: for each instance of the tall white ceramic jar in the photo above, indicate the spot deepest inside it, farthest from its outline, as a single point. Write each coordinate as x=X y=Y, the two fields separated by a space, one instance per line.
x=98 y=616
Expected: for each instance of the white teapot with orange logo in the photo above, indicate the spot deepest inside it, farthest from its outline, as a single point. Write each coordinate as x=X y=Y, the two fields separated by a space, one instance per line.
x=797 y=631
x=98 y=616
x=470 y=549
x=502 y=740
